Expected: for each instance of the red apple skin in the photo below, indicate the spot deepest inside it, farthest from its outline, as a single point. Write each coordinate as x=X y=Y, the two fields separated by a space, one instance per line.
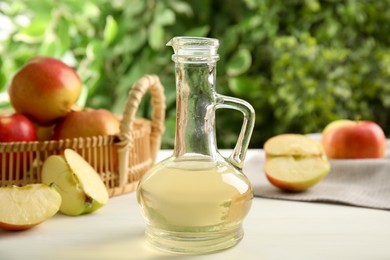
x=348 y=139
x=44 y=90
x=16 y=128
x=291 y=186
x=86 y=123
x=12 y=227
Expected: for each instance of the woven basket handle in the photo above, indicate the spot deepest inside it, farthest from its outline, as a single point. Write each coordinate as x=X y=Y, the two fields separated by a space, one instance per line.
x=152 y=84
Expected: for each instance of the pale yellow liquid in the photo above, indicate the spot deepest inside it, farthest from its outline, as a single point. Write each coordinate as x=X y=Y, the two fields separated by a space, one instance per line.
x=198 y=200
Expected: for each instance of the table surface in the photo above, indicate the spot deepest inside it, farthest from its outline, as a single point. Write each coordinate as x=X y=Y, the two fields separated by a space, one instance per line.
x=274 y=229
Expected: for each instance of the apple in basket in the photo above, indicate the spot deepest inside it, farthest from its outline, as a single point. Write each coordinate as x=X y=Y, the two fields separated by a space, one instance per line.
x=16 y=128
x=348 y=139
x=44 y=90
x=294 y=162
x=81 y=188
x=27 y=206
x=85 y=123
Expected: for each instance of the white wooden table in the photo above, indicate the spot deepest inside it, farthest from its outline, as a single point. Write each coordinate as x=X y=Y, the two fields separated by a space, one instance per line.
x=274 y=229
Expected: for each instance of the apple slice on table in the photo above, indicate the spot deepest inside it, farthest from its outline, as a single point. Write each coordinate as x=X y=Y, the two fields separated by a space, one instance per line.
x=27 y=206
x=81 y=188
x=294 y=162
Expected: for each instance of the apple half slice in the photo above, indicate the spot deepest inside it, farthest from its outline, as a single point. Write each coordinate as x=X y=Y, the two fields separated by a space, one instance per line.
x=81 y=188
x=294 y=162
x=27 y=206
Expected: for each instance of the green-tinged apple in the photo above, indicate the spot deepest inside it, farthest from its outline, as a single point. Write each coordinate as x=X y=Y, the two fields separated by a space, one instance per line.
x=349 y=139
x=85 y=123
x=44 y=133
x=81 y=188
x=27 y=206
x=16 y=128
x=294 y=162
x=44 y=89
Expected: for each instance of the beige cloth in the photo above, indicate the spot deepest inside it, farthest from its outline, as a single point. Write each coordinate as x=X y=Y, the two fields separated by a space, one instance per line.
x=363 y=183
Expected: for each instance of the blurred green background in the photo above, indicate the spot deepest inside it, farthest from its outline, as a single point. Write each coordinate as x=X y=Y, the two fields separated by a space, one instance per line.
x=300 y=63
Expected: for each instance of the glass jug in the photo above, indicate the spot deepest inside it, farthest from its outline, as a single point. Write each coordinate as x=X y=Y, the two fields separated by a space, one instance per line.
x=195 y=201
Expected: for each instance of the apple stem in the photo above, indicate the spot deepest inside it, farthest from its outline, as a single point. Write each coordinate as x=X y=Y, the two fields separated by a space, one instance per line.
x=358 y=118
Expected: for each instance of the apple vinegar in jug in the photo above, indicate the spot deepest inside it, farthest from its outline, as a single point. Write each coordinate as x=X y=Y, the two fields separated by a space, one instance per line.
x=195 y=200
x=204 y=198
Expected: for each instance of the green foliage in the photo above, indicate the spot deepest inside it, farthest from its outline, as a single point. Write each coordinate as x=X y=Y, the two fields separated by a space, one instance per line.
x=300 y=63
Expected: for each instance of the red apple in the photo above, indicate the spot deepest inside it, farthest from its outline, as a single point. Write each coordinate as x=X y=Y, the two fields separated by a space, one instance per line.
x=294 y=162
x=15 y=128
x=44 y=90
x=87 y=123
x=348 y=139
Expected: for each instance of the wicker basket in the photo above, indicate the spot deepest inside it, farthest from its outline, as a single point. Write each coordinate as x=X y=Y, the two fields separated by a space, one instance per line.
x=120 y=160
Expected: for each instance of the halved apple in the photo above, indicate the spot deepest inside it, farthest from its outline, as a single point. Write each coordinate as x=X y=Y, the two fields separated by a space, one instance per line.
x=27 y=206
x=81 y=188
x=294 y=162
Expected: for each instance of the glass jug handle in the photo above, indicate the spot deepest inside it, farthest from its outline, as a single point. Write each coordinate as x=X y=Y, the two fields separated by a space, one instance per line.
x=238 y=155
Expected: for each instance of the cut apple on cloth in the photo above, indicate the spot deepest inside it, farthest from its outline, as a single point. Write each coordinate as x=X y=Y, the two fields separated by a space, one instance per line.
x=27 y=206
x=81 y=188
x=294 y=162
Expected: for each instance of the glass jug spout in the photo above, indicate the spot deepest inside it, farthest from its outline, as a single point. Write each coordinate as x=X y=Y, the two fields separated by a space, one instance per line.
x=194 y=49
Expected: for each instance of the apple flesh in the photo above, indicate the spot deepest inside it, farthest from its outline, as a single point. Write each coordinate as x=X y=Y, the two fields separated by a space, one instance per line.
x=294 y=162
x=292 y=145
x=348 y=139
x=44 y=90
x=15 y=128
x=27 y=206
x=81 y=188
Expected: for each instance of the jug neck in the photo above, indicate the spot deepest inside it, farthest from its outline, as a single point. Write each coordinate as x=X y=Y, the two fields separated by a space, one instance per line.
x=195 y=69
